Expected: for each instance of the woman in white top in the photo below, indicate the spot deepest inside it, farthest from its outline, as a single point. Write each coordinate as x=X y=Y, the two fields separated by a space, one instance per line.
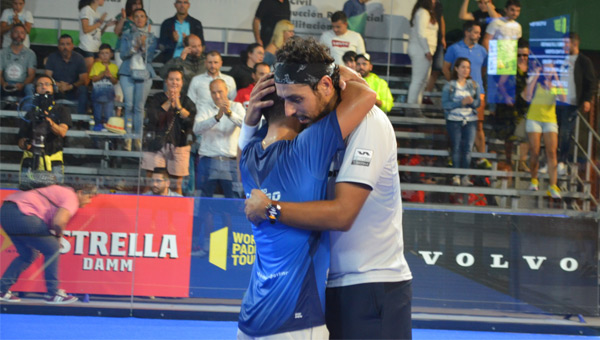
x=421 y=47
x=15 y=15
x=91 y=29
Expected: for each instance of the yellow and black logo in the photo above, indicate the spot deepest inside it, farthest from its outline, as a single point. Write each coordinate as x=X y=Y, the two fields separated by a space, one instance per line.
x=243 y=248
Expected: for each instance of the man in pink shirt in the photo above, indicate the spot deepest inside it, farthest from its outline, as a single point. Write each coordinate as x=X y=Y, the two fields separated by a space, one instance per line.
x=34 y=220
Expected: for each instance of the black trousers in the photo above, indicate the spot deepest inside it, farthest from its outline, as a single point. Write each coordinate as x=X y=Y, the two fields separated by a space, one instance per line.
x=380 y=310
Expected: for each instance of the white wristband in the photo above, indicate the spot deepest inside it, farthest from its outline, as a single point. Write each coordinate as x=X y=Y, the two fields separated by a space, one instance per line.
x=246 y=134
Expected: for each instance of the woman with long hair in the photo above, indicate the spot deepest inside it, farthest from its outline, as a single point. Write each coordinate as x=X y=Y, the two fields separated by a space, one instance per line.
x=283 y=31
x=242 y=72
x=460 y=99
x=92 y=25
x=136 y=72
x=542 y=94
x=421 y=47
x=124 y=24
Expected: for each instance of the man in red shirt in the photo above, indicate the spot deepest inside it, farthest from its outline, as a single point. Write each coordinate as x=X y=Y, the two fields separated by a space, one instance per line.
x=243 y=95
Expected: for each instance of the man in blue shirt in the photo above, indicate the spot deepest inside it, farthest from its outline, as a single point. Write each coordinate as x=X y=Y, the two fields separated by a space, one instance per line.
x=477 y=55
x=286 y=293
x=173 y=30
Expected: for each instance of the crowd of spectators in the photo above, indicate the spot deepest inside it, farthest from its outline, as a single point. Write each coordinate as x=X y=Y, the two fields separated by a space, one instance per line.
x=191 y=127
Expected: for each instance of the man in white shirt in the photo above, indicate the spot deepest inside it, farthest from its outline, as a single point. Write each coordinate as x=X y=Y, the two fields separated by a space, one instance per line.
x=340 y=39
x=505 y=28
x=218 y=123
x=12 y=16
x=199 y=91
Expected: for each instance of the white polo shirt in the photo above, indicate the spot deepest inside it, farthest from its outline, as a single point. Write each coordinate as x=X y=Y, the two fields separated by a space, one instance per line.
x=373 y=249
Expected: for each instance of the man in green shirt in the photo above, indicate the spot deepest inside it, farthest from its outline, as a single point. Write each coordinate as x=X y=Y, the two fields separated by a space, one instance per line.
x=385 y=101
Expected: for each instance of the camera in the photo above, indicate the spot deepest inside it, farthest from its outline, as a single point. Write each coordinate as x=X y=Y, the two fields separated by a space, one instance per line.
x=43 y=103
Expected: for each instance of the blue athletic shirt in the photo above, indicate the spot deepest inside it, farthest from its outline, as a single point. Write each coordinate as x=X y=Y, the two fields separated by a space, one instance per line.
x=287 y=285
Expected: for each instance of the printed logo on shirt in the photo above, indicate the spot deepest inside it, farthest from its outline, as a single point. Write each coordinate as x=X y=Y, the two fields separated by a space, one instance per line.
x=298 y=316
x=362 y=157
x=340 y=43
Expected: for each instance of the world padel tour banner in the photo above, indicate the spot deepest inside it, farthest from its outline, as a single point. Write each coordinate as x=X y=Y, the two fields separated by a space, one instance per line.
x=118 y=242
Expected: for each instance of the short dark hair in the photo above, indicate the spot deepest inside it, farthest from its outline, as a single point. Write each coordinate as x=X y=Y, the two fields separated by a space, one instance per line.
x=339 y=15
x=161 y=171
x=214 y=53
x=574 y=36
x=516 y=3
x=275 y=112
x=105 y=46
x=298 y=50
x=257 y=65
x=175 y=69
x=349 y=56
x=468 y=26
x=18 y=25
x=65 y=36
x=523 y=43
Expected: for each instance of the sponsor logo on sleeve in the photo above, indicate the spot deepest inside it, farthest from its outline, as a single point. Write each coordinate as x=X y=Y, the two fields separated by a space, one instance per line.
x=362 y=157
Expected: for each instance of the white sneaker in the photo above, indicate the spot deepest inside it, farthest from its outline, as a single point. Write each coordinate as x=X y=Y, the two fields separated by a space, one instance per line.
x=60 y=298
x=561 y=169
x=544 y=169
x=456 y=180
x=466 y=182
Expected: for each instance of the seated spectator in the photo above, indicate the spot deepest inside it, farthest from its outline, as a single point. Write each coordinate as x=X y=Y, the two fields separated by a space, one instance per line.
x=17 y=65
x=349 y=59
x=192 y=61
x=92 y=25
x=170 y=121
x=460 y=100
x=124 y=24
x=173 y=30
x=486 y=13
x=160 y=184
x=242 y=73
x=68 y=69
x=219 y=125
x=104 y=78
x=199 y=91
x=243 y=95
x=136 y=73
x=42 y=132
x=541 y=93
x=283 y=31
x=14 y=16
x=340 y=40
x=384 y=101
x=34 y=220
x=421 y=47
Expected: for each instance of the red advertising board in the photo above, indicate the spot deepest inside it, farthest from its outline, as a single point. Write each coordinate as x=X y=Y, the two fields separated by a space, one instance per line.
x=119 y=245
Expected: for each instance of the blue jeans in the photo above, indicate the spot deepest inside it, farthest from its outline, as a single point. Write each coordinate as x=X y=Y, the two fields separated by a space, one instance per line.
x=29 y=234
x=566 y=116
x=103 y=103
x=134 y=98
x=80 y=95
x=462 y=138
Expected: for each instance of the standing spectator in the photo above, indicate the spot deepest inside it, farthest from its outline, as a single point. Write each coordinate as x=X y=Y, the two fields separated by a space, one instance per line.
x=124 y=24
x=582 y=83
x=349 y=59
x=34 y=220
x=199 y=91
x=541 y=121
x=242 y=73
x=505 y=27
x=243 y=95
x=104 y=78
x=421 y=47
x=384 y=101
x=170 y=121
x=91 y=29
x=477 y=55
x=340 y=40
x=161 y=184
x=14 y=16
x=136 y=72
x=460 y=100
x=51 y=130
x=219 y=125
x=17 y=64
x=283 y=31
x=438 y=57
x=176 y=28
x=482 y=16
x=356 y=12
x=68 y=69
x=268 y=14
x=191 y=61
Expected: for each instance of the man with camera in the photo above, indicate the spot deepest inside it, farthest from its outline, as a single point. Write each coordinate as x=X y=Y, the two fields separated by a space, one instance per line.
x=43 y=130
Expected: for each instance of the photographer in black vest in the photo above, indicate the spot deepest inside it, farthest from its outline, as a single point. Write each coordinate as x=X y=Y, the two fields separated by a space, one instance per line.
x=43 y=129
